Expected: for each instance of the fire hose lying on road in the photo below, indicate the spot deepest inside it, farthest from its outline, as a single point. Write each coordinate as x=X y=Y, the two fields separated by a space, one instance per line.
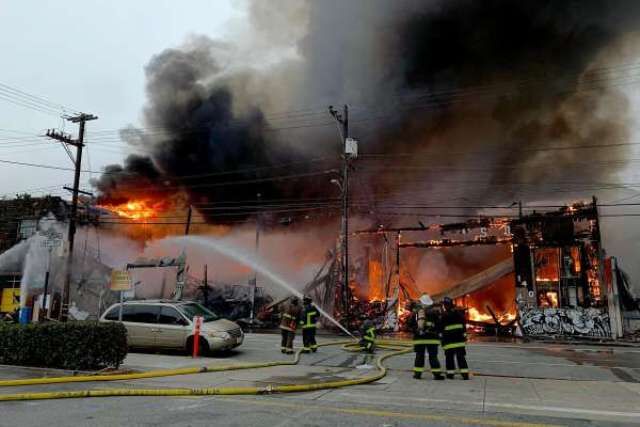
x=397 y=348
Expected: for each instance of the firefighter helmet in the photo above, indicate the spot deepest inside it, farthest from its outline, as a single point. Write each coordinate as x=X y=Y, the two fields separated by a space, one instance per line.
x=426 y=300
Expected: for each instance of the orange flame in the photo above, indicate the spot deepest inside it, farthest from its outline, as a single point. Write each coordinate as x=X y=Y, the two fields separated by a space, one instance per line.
x=476 y=316
x=552 y=297
x=376 y=282
x=136 y=209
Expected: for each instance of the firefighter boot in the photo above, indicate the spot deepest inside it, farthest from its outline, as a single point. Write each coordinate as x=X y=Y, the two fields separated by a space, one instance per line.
x=465 y=376
x=417 y=375
x=450 y=376
x=438 y=377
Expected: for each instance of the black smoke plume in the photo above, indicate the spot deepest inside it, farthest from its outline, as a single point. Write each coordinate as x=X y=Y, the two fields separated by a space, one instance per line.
x=461 y=97
x=197 y=143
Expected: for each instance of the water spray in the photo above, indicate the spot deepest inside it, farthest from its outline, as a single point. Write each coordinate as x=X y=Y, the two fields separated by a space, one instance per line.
x=224 y=249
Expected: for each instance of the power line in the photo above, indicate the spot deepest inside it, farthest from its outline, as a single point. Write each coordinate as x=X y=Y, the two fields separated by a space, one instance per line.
x=230 y=172
x=526 y=150
x=36 y=99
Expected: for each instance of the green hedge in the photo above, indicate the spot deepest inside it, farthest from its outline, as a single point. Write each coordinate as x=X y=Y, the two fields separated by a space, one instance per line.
x=70 y=345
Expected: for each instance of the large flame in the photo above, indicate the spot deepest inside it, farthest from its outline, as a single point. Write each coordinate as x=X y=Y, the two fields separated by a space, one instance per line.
x=138 y=210
x=376 y=282
x=476 y=316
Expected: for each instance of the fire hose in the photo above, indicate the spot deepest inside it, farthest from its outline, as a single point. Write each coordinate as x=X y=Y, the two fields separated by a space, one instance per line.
x=397 y=348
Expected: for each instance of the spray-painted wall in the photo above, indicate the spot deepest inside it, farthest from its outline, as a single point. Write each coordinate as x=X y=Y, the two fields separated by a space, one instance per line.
x=590 y=322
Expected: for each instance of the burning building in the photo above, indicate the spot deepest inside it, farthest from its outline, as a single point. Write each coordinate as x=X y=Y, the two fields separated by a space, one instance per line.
x=545 y=272
x=454 y=102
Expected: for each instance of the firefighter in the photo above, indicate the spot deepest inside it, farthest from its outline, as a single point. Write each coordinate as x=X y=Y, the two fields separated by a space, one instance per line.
x=368 y=332
x=308 y=323
x=288 y=324
x=453 y=339
x=425 y=323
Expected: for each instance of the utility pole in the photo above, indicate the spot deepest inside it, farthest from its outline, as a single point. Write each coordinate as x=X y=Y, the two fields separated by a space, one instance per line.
x=188 y=226
x=205 y=286
x=255 y=277
x=348 y=150
x=81 y=119
x=520 y=209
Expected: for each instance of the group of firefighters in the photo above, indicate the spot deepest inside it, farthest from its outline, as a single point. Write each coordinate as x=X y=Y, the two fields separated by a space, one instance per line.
x=433 y=325
x=439 y=325
x=305 y=316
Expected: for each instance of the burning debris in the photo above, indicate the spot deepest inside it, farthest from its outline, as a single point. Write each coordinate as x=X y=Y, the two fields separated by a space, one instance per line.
x=554 y=262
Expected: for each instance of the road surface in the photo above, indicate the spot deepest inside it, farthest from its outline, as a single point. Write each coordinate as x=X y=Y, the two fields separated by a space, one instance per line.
x=528 y=384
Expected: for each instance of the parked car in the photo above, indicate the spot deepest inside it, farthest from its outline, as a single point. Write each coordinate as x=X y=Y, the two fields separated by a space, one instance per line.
x=169 y=324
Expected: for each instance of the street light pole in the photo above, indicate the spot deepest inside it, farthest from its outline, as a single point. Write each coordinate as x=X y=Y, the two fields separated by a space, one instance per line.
x=52 y=240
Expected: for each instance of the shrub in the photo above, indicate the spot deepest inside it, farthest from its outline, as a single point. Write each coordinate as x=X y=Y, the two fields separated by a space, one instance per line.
x=70 y=345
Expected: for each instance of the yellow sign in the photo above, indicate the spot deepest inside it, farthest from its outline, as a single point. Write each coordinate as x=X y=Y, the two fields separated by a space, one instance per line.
x=120 y=280
x=10 y=300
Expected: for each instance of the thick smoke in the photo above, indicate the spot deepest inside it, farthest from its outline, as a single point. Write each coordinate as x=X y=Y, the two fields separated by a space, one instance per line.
x=459 y=94
x=196 y=140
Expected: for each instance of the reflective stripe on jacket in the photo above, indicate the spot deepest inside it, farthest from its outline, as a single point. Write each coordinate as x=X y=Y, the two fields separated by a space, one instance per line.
x=370 y=334
x=289 y=317
x=453 y=329
x=309 y=317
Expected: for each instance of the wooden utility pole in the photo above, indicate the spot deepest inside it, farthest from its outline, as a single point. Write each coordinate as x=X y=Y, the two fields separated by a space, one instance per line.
x=188 y=226
x=343 y=119
x=255 y=277
x=81 y=119
x=205 y=286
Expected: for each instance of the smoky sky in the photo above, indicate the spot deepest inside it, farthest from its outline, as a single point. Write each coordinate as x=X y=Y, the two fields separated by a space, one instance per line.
x=457 y=96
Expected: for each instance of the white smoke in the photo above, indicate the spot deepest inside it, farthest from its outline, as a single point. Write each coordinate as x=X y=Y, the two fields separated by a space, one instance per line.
x=12 y=260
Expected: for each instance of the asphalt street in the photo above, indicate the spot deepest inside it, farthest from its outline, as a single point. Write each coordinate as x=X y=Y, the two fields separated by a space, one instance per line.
x=513 y=384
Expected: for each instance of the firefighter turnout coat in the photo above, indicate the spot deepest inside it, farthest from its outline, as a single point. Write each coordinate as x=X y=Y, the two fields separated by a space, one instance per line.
x=425 y=324
x=309 y=318
x=289 y=317
x=453 y=329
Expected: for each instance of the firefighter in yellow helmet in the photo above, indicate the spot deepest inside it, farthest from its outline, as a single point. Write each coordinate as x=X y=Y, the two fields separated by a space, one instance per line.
x=425 y=323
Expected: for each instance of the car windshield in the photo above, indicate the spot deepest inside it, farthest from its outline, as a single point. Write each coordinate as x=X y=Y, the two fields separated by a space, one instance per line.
x=193 y=309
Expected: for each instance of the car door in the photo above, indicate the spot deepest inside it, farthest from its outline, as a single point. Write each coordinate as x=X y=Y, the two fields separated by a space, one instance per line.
x=173 y=328
x=141 y=321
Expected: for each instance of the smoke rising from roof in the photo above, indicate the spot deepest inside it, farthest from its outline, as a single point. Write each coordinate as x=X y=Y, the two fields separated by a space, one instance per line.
x=453 y=84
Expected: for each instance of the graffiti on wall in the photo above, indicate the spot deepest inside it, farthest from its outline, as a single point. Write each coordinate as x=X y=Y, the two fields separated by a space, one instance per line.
x=591 y=322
